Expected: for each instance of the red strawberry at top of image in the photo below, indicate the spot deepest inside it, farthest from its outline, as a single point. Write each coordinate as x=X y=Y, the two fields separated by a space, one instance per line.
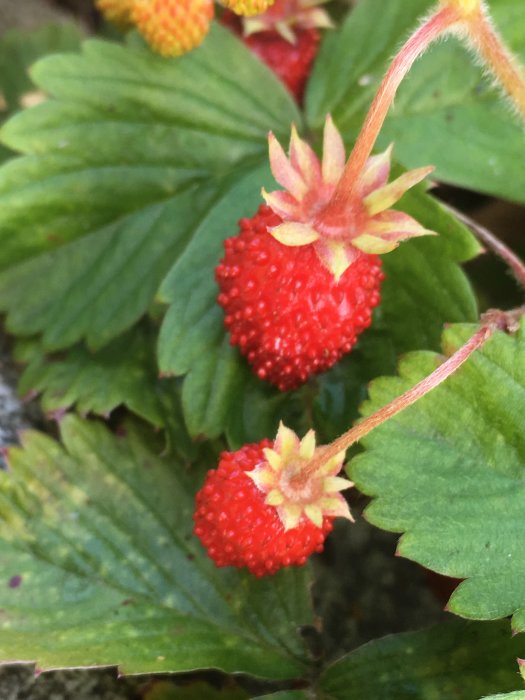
x=285 y=37
x=299 y=282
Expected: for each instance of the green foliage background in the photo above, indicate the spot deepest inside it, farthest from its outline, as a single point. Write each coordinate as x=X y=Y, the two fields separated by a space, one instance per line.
x=112 y=217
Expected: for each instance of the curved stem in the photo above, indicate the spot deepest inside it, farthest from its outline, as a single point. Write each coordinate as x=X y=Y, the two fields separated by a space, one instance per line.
x=498 y=247
x=493 y=321
x=435 y=26
x=497 y=58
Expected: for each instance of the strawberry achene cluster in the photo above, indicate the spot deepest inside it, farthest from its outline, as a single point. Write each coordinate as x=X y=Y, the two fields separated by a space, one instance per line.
x=173 y=27
x=239 y=529
x=284 y=310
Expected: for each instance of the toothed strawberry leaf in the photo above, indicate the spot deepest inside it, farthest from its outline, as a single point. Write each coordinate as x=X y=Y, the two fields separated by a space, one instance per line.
x=101 y=567
x=446 y=114
x=449 y=473
x=453 y=660
x=518 y=695
x=97 y=286
x=122 y=373
x=117 y=137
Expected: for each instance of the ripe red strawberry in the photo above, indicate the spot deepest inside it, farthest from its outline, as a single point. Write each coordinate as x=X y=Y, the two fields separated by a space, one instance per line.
x=263 y=509
x=291 y=62
x=285 y=38
x=296 y=288
x=285 y=310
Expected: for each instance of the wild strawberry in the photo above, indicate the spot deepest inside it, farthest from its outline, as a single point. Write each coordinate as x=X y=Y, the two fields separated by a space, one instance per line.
x=287 y=313
x=298 y=289
x=285 y=37
x=269 y=506
x=173 y=27
x=116 y=11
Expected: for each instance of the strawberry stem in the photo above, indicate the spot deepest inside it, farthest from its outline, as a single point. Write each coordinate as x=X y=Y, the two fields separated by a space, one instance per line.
x=491 y=321
x=516 y=265
x=438 y=23
x=496 y=57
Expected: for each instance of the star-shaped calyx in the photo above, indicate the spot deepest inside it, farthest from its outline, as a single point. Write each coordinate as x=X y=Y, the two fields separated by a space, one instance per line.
x=295 y=488
x=338 y=230
x=284 y=16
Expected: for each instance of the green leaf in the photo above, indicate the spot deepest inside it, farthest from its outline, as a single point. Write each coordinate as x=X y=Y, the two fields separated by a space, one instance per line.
x=454 y=660
x=18 y=50
x=192 y=111
x=518 y=695
x=449 y=473
x=446 y=113
x=122 y=373
x=110 y=168
x=259 y=407
x=98 y=286
x=192 y=339
x=101 y=568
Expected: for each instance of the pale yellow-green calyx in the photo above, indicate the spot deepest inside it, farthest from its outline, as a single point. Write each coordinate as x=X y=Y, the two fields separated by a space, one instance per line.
x=296 y=489
x=312 y=215
x=287 y=16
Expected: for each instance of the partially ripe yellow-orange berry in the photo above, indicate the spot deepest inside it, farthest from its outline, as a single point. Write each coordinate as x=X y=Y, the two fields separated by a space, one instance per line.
x=173 y=27
x=116 y=11
x=247 y=8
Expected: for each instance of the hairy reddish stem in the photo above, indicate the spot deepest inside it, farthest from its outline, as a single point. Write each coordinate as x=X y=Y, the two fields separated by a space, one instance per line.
x=495 y=244
x=434 y=27
x=492 y=321
x=496 y=57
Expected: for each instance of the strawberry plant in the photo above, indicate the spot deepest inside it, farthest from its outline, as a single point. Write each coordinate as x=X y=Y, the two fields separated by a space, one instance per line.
x=227 y=272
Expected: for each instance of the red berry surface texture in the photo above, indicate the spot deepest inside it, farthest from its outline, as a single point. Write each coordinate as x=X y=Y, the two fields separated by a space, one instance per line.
x=284 y=309
x=263 y=509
